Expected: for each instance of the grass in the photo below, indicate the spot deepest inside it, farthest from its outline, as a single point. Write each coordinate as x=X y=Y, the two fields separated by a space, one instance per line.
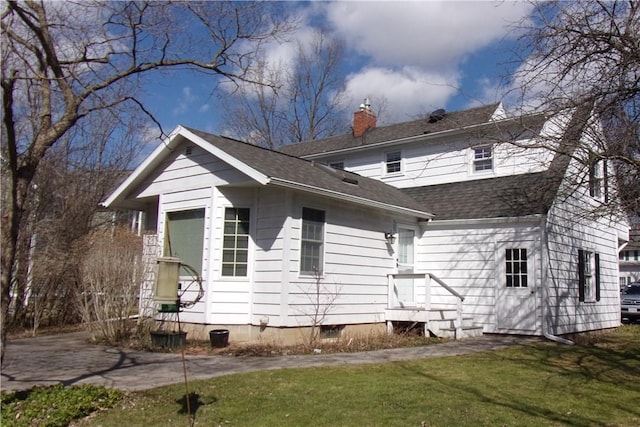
x=593 y=383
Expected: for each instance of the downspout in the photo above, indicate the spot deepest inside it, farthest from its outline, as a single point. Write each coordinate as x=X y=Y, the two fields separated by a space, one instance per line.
x=546 y=269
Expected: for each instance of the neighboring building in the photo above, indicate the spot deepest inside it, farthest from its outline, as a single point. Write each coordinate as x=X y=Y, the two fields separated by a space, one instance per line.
x=430 y=222
x=630 y=257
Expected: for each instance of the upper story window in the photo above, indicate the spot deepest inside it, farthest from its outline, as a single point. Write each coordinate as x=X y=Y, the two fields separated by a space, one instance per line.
x=393 y=162
x=312 y=241
x=483 y=158
x=597 y=170
x=337 y=165
x=235 y=242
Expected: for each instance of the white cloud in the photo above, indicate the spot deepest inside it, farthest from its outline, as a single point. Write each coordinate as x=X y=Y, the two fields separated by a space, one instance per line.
x=433 y=35
x=415 y=51
x=405 y=92
x=185 y=102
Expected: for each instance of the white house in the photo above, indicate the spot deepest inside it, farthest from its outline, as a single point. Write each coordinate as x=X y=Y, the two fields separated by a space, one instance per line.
x=436 y=222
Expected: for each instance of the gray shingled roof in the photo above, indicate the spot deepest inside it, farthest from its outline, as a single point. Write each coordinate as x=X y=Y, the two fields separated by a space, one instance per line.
x=292 y=169
x=508 y=196
x=451 y=121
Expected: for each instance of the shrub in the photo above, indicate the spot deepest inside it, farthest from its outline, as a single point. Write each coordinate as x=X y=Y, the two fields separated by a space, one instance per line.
x=112 y=271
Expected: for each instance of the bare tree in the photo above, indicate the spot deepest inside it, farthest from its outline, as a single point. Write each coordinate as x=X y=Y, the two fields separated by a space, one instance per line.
x=588 y=53
x=296 y=102
x=73 y=177
x=64 y=61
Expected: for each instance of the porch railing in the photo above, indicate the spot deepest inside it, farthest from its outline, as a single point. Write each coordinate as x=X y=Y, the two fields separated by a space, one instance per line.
x=427 y=296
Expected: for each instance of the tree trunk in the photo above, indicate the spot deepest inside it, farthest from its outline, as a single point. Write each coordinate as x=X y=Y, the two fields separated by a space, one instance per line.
x=11 y=217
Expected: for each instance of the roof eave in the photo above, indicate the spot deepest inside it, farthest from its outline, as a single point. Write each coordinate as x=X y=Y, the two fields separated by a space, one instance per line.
x=350 y=198
x=525 y=219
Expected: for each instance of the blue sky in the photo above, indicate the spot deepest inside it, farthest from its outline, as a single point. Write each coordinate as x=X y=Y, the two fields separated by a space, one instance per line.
x=418 y=56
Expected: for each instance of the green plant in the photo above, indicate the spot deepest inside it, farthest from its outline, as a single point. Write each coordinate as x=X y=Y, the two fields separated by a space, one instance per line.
x=54 y=406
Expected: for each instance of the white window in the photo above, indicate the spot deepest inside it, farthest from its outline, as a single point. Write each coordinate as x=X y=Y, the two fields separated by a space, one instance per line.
x=312 y=246
x=483 y=158
x=393 y=163
x=235 y=242
x=588 y=276
x=596 y=179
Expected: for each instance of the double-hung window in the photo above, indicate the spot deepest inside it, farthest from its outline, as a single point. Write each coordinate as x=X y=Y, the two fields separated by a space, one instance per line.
x=597 y=171
x=588 y=276
x=393 y=163
x=312 y=245
x=235 y=242
x=483 y=158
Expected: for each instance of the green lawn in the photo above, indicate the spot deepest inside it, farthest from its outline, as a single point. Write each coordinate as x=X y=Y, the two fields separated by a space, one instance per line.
x=589 y=384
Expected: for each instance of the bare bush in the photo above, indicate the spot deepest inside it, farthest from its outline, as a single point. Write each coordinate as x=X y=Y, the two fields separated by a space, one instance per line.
x=322 y=300
x=111 y=271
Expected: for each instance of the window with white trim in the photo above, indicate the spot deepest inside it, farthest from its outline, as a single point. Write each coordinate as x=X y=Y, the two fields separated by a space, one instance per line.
x=312 y=241
x=393 y=163
x=588 y=276
x=235 y=242
x=483 y=158
x=597 y=182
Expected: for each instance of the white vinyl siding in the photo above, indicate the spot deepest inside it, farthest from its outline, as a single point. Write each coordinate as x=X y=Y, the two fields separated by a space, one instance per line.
x=465 y=258
x=443 y=161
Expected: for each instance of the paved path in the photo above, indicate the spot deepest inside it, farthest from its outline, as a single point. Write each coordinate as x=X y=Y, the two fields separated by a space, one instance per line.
x=70 y=359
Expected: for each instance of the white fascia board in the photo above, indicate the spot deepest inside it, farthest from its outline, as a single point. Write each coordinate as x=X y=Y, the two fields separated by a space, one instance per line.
x=222 y=155
x=149 y=163
x=349 y=198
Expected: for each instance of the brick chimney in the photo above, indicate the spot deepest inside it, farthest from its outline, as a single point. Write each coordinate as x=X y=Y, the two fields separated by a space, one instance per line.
x=363 y=119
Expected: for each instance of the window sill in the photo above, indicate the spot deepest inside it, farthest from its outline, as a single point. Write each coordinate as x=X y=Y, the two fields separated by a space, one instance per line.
x=393 y=175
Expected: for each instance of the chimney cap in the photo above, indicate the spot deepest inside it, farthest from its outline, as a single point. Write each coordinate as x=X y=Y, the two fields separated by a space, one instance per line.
x=366 y=105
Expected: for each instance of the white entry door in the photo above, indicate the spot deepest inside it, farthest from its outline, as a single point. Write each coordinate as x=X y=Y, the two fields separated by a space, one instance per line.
x=517 y=292
x=405 y=287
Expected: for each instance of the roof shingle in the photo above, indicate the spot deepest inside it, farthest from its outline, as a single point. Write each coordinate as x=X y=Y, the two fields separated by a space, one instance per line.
x=307 y=173
x=451 y=121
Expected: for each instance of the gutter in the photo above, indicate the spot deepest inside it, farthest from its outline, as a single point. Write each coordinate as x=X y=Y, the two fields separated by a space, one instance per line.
x=528 y=219
x=546 y=309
